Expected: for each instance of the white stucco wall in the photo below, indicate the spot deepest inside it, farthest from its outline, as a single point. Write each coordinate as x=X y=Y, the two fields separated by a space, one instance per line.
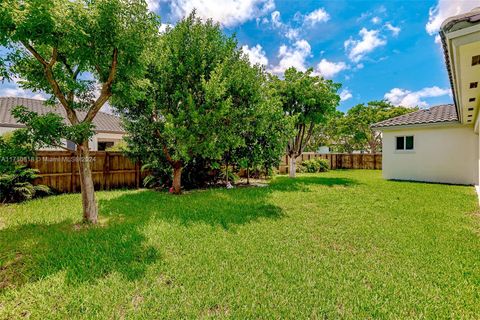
x=93 y=143
x=5 y=130
x=102 y=137
x=445 y=154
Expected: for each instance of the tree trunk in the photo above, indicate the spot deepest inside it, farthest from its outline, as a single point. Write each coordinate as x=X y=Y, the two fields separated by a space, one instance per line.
x=177 y=178
x=293 y=166
x=89 y=203
x=226 y=172
x=248 y=175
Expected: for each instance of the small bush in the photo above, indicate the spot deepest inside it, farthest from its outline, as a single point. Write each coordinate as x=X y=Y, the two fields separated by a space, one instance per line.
x=313 y=165
x=17 y=186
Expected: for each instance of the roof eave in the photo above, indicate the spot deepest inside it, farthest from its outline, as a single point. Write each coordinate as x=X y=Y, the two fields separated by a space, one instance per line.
x=454 y=123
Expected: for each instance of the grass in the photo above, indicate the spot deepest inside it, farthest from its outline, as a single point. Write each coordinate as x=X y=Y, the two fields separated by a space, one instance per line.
x=343 y=244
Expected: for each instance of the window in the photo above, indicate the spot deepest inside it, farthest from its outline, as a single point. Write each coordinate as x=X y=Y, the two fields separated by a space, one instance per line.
x=475 y=60
x=404 y=143
x=102 y=146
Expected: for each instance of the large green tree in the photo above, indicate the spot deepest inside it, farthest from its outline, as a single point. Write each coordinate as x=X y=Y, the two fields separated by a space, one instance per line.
x=346 y=132
x=188 y=112
x=258 y=120
x=205 y=105
x=359 y=119
x=310 y=100
x=80 y=53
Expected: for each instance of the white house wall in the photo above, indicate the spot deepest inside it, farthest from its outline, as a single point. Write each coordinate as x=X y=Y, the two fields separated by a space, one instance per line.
x=102 y=137
x=93 y=143
x=445 y=154
x=4 y=130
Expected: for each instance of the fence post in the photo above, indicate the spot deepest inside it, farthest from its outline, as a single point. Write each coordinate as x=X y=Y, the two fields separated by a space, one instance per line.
x=137 y=174
x=106 y=170
x=73 y=163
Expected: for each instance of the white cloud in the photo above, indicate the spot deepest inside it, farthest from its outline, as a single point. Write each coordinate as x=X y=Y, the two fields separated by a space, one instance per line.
x=292 y=30
x=256 y=54
x=276 y=20
x=19 y=92
x=292 y=34
x=329 y=69
x=445 y=9
x=153 y=5
x=376 y=20
x=395 y=30
x=357 y=49
x=314 y=17
x=228 y=13
x=345 y=95
x=292 y=57
x=407 y=98
x=164 y=26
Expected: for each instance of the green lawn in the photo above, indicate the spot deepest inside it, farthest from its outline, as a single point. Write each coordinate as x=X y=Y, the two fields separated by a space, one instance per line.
x=340 y=244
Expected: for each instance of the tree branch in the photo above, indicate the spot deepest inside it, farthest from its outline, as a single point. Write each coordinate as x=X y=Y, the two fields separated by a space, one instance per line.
x=106 y=91
x=54 y=57
x=299 y=140
x=47 y=66
x=35 y=53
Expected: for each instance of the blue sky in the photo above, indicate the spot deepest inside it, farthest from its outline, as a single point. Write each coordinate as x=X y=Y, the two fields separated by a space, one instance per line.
x=375 y=49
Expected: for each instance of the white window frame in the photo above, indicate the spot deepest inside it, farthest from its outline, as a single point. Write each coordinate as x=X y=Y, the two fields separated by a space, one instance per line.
x=405 y=150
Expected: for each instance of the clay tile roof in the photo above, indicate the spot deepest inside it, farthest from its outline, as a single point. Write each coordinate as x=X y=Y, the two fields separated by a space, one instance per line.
x=436 y=114
x=103 y=122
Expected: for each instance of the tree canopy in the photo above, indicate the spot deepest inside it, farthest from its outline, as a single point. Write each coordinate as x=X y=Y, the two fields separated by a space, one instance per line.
x=203 y=98
x=80 y=53
x=352 y=130
x=310 y=100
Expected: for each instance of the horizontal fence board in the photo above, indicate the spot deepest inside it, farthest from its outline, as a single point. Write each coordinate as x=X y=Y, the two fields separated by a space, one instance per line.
x=338 y=160
x=113 y=170
x=110 y=170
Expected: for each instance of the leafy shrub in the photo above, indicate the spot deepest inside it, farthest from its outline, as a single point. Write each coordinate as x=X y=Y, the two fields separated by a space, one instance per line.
x=198 y=173
x=120 y=146
x=17 y=186
x=13 y=147
x=314 y=165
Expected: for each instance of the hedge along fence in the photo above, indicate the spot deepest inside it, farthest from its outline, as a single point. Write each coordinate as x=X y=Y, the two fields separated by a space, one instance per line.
x=338 y=160
x=110 y=170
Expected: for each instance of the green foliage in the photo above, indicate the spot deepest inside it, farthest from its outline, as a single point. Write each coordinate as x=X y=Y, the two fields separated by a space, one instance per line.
x=206 y=105
x=259 y=118
x=69 y=49
x=314 y=165
x=14 y=147
x=119 y=146
x=352 y=131
x=17 y=186
x=309 y=100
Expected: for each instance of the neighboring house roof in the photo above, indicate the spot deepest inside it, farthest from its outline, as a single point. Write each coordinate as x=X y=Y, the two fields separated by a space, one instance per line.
x=438 y=114
x=103 y=122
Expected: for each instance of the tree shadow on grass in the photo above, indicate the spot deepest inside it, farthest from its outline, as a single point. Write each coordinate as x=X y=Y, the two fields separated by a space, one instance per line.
x=216 y=207
x=303 y=184
x=31 y=252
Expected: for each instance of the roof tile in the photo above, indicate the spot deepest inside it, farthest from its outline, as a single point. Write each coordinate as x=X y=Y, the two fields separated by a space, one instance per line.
x=103 y=122
x=436 y=114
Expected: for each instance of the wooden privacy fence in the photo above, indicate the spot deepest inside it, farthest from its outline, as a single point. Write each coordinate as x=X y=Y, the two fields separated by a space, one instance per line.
x=59 y=170
x=111 y=170
x=339 y=160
